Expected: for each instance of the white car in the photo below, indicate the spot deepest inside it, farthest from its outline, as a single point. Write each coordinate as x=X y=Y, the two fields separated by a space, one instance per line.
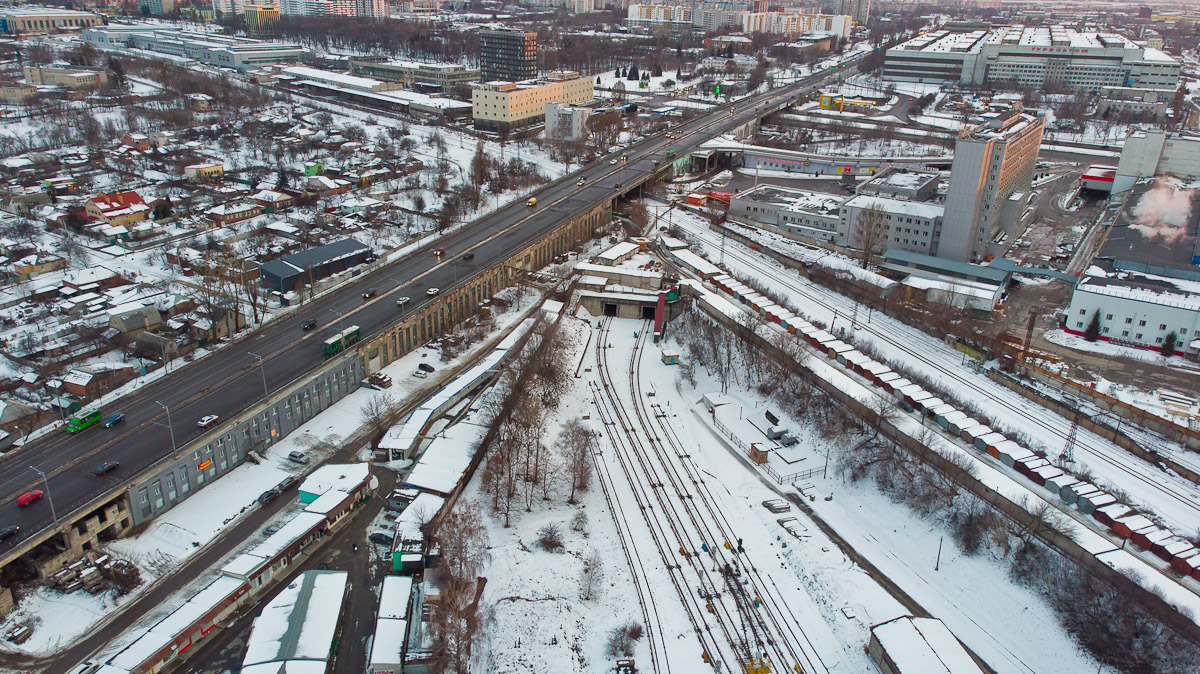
x=420 y=374
x=579 y=183
x=402 y=301
x=612 y=161
x=207 y=421
x=433 y=291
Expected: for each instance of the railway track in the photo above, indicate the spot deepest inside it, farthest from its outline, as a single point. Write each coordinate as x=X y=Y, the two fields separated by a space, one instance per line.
x=1088 y=447
x=752 y=630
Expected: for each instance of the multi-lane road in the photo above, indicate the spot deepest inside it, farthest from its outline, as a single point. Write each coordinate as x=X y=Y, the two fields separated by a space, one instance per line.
x=229 y=381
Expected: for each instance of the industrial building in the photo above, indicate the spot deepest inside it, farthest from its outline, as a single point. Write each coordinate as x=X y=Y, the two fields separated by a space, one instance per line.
x=292 y=272
x=1025 y=57
x=791 y=212
x=302 y=73
x=507 y=54
x=989 y=186
x=1156 y=152
x=216 y=50
x=416 y=75
x=501 y=106
x=44 y=20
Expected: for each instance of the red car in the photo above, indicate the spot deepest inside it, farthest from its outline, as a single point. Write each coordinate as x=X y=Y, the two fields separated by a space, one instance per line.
x=29 y=497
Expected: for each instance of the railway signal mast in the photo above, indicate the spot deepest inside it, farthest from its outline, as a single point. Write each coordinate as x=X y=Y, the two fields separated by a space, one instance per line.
x=750 y=649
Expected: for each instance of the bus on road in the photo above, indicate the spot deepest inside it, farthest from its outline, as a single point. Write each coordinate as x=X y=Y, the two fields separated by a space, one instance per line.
x=339 y=342
x=83 y=421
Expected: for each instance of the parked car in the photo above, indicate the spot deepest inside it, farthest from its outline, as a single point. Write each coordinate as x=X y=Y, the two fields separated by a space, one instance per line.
x=369 y=294
x=380 y=538
x=273 y=529
x=469 y=256
x=401 y=301
x=433 y=291
x=297 y=457
x=420 y=374
x=8 y=532
x=309 y=324
x=114 y=419
x=286 y=482
x=425 y=366
x=268 y=496
x=207 y=421
x=29 y=497
x=107 y=467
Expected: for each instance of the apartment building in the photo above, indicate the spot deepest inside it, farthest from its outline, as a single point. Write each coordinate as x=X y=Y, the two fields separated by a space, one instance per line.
x=792 y=24
x=643 y=18
x=990 y=180
x=502 y=106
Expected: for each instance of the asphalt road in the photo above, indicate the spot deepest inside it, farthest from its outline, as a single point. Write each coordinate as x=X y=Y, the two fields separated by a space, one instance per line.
x=229 y=381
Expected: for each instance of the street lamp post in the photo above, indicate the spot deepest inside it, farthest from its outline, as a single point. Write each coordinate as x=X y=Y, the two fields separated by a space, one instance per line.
x=262 y=370
x=170 y=425
x=341 y=322
x=46 y=484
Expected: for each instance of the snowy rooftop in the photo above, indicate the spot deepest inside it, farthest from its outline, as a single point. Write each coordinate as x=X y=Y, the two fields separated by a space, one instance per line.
x=352 y=81
x=166 y=630
x=794 y=200
x=295 y=529
x=423 y=508
x=446 y=459
x=1144 y=288
x=299 y=623
x=340 y=477
x=395 y=596
x=923 y=646
x=915 y=208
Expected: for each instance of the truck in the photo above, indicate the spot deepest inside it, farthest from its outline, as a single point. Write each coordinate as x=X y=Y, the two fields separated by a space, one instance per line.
x=83 y=421
x=339 y=342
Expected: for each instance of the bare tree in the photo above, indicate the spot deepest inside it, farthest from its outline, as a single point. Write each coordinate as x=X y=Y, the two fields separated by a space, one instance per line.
x=574 y=443
x=591 y=576
x=870 y=233
x=464 y=542
x=377 y=411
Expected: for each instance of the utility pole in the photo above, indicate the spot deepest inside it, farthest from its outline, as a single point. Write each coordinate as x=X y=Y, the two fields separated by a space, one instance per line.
x=262 y=370
x=170 y=425
x=49 y=497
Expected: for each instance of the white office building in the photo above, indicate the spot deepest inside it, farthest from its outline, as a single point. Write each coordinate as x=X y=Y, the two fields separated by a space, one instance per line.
x=218 y=50
x=1137 y=309
x=1023 y=57
x=1156 y=152
x=566 y=123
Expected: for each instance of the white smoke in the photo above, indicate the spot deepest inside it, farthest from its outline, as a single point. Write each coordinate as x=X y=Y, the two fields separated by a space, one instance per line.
x=1163 y=212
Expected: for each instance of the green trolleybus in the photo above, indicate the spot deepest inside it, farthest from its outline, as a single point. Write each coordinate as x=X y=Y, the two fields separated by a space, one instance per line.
x=83 y=421
x=339 y=342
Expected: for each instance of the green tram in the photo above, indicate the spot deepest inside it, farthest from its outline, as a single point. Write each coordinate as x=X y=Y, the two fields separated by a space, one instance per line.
x=342 y=340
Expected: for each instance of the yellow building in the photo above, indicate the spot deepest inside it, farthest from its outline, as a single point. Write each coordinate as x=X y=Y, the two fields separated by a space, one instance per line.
x=75 y=78
x=262 y=19
x=204 y=173
x=501 y=106
x=43 y=20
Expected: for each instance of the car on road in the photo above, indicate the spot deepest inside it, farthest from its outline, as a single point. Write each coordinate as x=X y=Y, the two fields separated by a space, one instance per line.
x=286 y=482
x=425 y=366
x=433 y=291
x=309 y=324
x=114 y=419
x=370 y=293
x=401 y=301
x=268 y=496
x=207 y=421
x=8 y=532
x=297 y=457
x=531 y=203
x=29 y=497
x=107 y=467
x=579 y=183
x=469 y=256
x=439 y=252
x=612 y=161
x=617 y=186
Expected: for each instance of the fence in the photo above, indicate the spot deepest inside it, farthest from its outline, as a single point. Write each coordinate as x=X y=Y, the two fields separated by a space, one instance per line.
x=745 y=449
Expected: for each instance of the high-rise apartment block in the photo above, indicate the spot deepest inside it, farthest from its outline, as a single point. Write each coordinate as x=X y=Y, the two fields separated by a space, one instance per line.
x=508 y=55
x=859 y=9
x=989 y=183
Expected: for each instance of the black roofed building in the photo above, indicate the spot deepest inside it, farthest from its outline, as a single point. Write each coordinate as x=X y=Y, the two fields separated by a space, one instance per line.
x=309 y=266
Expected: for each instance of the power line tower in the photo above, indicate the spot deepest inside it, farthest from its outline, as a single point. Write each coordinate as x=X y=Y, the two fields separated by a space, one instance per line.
x=1068 y=453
